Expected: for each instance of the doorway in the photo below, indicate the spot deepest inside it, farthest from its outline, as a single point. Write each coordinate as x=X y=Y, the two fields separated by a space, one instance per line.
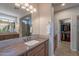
x=65 y=29
x=64 y=38
x=65 y=33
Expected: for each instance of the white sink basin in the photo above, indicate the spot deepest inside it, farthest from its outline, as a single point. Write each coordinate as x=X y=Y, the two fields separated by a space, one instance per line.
x=32 y=42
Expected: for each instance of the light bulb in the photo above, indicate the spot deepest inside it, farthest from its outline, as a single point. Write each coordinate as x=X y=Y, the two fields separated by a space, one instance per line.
x=31 y=11
x=30 y=7
x=63 y=4
x=17 y=4
x=23 y=7
x=27 y=9
x=34 y=10
x=26 y=4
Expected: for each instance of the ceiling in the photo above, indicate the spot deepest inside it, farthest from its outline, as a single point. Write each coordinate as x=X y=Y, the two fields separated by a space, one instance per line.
x=58 y=7
x=9 y=8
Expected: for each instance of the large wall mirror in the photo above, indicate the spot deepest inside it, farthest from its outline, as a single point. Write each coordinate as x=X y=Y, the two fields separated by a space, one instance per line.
x=26 y=25
x=7 y=23
x=10 y=21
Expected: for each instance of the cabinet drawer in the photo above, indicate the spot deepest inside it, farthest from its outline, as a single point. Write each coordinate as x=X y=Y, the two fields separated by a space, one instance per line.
x=41 y=52
x=36 y=50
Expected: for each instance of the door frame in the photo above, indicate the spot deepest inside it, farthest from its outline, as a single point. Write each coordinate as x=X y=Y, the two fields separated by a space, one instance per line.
x=59 y=32
x=28 y=15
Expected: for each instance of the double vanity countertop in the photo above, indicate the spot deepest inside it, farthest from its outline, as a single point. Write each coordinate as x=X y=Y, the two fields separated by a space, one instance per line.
x=19 y=48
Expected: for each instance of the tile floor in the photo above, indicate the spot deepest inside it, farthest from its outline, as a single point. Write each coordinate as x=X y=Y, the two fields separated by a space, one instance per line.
x=65 y=50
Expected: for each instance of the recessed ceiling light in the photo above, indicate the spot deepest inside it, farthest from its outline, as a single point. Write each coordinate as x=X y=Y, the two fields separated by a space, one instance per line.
x=30 y=7
x=63 y=4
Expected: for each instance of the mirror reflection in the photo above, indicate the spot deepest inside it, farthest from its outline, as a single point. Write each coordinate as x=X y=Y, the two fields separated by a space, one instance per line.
x=26 y=23
x=15 y=21
x=7 y=23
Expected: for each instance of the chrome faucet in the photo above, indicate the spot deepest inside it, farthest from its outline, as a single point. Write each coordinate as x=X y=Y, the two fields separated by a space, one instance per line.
x=27 y=38
x=24 y=40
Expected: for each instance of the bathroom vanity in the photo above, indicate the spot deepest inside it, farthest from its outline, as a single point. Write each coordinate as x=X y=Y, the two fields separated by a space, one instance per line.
x=39 y=50
x=23 y=49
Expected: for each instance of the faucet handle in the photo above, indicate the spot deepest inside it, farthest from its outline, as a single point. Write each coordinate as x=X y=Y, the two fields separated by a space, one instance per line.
x=27 y=38
x=24 y=40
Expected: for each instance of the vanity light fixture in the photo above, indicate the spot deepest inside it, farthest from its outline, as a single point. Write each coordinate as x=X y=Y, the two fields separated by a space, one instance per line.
x=26 y=7
x=31 y=11
x=26 y=4
x=23 y=7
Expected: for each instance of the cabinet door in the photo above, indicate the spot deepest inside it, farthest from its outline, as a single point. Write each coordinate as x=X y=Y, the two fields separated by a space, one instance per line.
x=2 y=37
x=35 y=50
x=40 y=50
x=46 y=48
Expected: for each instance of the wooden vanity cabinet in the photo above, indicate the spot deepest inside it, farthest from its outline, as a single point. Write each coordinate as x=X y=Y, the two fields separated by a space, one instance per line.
x=8 y=36
x=40 y=50
x=46 y=48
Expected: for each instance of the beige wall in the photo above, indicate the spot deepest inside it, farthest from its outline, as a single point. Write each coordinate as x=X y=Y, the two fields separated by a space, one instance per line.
x=40 y=22
x=45 y=18
x=36 y=21
x=41 y=19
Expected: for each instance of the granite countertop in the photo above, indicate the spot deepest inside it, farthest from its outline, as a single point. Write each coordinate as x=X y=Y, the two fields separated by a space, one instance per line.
x=18 y=49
